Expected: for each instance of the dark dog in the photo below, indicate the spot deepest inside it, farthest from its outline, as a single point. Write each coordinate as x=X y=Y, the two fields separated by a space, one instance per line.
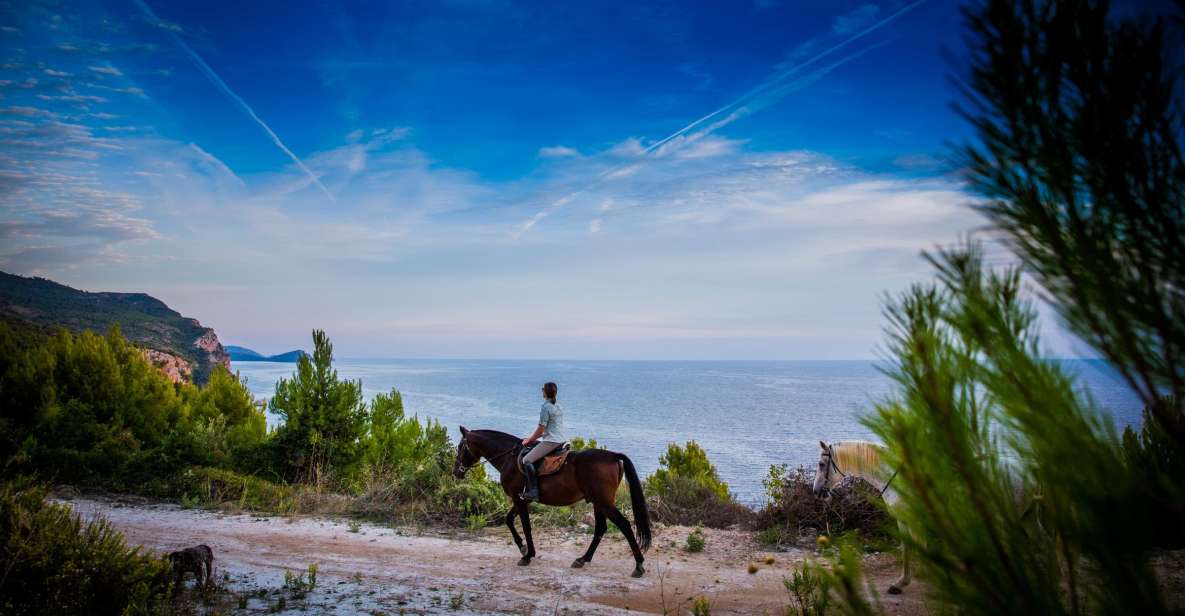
x=193 y=560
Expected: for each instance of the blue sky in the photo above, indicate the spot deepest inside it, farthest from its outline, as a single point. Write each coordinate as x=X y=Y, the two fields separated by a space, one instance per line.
x=488 y=179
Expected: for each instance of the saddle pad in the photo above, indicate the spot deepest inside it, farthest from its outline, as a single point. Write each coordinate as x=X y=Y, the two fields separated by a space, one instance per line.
x=552 y=463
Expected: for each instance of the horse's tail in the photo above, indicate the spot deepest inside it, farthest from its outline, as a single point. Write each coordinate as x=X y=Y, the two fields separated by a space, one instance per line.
x=638 y=502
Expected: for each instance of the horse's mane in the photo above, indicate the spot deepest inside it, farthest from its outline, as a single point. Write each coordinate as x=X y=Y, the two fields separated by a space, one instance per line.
x=857 y=457
x=493 y=434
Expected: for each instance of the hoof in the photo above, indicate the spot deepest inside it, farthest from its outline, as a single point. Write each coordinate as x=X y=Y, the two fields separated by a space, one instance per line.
x=524 y=561
x=578 y=563
x=894 y=590
x=638 y=572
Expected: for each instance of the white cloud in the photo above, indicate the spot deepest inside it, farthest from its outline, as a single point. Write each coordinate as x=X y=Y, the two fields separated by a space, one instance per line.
x=558 y=151
x=106 y=70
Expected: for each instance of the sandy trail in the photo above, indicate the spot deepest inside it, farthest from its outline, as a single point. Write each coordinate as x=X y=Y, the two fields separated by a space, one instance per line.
x=385 y=570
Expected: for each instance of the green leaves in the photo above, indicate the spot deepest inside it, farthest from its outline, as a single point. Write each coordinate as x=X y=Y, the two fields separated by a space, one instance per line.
x=690 y=463
x=325 y=418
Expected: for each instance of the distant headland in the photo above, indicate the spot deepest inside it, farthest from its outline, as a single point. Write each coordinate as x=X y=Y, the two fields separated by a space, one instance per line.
x=238 y=353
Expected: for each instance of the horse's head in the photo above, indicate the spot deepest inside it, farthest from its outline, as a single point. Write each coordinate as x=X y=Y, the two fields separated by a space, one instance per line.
x=825 y=473
x=466 y=456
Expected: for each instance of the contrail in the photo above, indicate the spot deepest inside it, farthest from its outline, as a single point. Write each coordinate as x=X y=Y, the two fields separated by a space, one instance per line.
x=217 y=81
x=769 y=83
x=738 y=106
x=611 y=174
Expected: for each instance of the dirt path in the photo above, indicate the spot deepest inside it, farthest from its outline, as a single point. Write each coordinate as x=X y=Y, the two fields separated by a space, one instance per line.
x=383 y=570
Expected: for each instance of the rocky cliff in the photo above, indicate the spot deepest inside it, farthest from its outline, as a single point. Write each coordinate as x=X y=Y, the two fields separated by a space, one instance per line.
x=180 y=346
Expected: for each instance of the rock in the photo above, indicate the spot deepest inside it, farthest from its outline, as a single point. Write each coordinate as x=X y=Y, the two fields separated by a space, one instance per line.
x=177 y=369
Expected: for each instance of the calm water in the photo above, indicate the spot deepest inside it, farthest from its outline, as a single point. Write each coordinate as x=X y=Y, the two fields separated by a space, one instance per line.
x=747 y=415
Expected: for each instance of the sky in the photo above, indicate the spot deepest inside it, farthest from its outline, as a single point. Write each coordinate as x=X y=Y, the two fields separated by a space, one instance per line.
x=489 y=179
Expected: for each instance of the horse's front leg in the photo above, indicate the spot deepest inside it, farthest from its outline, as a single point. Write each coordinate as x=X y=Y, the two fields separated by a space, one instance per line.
x=518 y=541
x=906 y=573
x=524 y=514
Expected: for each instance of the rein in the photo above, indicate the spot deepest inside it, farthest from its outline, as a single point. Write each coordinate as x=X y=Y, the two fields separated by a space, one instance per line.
x=465 y=444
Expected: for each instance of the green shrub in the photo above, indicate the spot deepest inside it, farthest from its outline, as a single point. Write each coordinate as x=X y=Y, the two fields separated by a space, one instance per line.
x=579 y=444
x=792 y=508
x=696 y=540
x=689 y=463
x=701 y=607
x=55 y=563
x=1159 y=462
x=686 y=490
x=471 y=496
x=325 y=419
x=84 y=407
x=809 y=592
x=218 y=486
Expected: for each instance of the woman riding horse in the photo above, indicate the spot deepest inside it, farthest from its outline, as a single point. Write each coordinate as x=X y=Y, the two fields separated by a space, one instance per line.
x=549 y=433
x=591 y=475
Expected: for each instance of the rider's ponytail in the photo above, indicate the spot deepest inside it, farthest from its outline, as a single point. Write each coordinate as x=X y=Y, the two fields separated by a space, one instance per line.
x=550 y=390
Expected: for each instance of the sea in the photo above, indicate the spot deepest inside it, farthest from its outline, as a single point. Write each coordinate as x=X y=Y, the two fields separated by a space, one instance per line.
x=747 y=415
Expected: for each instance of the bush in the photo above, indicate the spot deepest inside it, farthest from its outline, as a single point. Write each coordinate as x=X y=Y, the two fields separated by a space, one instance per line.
x=54 y=563
x=696 y=540
x=325 y=419
x=1159 y=462
x=687 y=502
x=792 y=508
x=471 y=496
x=686 y=490
x=214 y=486
x=690 y=464
x=809 y=592
x=84 y=407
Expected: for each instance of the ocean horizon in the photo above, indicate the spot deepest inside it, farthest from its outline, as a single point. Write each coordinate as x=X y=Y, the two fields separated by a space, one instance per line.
x=747 y=414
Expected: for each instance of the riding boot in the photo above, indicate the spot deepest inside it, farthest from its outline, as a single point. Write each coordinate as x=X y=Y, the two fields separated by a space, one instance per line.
x=532 y=491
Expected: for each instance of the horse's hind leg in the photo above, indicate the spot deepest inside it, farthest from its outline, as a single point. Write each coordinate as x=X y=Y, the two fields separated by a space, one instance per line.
x=524 y=514
x=518 y=541
x=598 y=532
x=620 y=521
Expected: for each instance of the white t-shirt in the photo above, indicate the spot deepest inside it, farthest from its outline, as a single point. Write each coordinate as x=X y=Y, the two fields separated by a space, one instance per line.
x=551 y=417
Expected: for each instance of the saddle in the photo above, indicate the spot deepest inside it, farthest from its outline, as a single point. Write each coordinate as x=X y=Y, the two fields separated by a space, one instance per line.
x=551 y=463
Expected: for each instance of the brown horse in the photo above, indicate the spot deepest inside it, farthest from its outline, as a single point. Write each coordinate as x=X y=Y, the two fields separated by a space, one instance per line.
x=592 y=475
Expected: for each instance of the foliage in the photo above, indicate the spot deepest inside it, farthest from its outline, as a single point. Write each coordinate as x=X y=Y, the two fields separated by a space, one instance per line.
x=216 y=486
x=579 y=444
x=85 y=407
x=809 y=591
x=405 y=444
x=686 y=490
x=40 y=304
x=700 y=606
x=1000 y=463
x=689 y=462
x=325 y=419
x=54 y=562
x=792 y=508
x=1160 y=466
x=1080 y=160
x=845 y=589
x=696 y=540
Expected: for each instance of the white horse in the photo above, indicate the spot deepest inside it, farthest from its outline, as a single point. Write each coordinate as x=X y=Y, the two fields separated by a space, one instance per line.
x=862 y=459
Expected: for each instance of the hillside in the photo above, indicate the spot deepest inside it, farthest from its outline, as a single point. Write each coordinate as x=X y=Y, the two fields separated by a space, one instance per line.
x=238 y=353
x=180 y=346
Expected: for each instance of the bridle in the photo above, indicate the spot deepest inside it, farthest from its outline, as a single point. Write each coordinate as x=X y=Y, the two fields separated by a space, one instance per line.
x=462 y=468
x=830 y=465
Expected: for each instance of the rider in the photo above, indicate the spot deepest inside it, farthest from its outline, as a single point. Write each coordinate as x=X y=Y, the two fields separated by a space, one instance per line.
x=549 y=433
